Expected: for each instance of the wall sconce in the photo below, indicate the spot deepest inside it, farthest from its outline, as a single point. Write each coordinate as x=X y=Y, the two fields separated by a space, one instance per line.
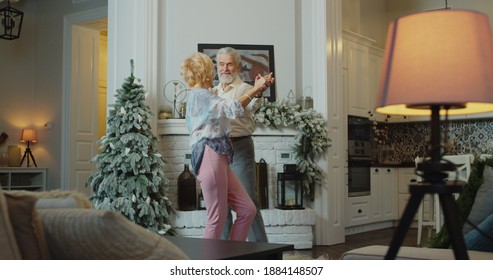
x=11 y=20
x=28 y=136
x=290 y=188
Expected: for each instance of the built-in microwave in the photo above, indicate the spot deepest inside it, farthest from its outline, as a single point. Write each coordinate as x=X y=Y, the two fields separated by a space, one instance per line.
x=359 y=128
x=358 y=149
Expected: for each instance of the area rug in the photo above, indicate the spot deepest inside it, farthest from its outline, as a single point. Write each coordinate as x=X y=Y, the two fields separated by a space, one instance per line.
x=295 y=255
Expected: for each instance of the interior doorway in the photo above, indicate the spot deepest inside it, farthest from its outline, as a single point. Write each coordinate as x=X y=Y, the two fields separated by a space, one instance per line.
x=85 y=93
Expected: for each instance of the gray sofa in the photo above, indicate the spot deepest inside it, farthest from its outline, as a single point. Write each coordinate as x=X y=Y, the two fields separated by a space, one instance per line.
x=377 y=252
x=63 y=225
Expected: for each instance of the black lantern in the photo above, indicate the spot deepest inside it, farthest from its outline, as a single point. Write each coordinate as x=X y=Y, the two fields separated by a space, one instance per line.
x=11 y=20
x=290 y=188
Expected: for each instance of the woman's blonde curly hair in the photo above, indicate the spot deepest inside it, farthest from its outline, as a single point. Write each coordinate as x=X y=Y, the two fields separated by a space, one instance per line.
x=197 y=68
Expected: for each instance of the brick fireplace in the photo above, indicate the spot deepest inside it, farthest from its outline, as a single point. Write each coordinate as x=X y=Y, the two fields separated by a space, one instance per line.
x=275 y=147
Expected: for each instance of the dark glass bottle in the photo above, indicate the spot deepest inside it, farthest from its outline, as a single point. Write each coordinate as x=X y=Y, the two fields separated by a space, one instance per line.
x=187 y=194
x=201 y=201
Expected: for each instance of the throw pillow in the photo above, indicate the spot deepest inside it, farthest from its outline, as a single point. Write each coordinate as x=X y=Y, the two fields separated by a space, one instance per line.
x=87 y=234
x=483 y=203
x=481 y=239
x=68 y=202
x=47 y=199
x=27 y=227
x=8 y=244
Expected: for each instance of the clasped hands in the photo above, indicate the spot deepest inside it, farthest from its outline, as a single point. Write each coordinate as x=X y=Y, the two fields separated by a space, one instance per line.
x=262 y=83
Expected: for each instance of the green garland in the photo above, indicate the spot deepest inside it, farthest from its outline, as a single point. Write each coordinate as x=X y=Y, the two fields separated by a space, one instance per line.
x=311 y=140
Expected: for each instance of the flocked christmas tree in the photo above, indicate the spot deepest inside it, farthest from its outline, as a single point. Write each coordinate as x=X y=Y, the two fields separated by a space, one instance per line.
x=130 y=177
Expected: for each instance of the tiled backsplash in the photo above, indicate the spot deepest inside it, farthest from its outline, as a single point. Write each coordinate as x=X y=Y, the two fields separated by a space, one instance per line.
x=409 y=140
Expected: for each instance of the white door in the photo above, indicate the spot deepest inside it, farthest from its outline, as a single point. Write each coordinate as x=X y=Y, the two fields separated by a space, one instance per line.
x=83 y=106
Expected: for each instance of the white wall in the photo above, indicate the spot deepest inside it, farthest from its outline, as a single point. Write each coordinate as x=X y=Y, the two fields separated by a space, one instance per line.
x=18 y=108
x=367 y=18
x=404 y=7
x=256 y=22
x=31 y=79
x=371 y=18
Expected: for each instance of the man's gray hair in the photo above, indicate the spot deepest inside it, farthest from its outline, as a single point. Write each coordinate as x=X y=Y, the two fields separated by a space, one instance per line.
x=230 y=51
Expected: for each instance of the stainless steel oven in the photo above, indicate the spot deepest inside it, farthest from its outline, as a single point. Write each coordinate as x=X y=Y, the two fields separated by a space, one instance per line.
x=359 y=178
x=359 y=156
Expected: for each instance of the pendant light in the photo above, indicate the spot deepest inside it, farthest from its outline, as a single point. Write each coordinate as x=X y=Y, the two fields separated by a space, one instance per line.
x=11 y=22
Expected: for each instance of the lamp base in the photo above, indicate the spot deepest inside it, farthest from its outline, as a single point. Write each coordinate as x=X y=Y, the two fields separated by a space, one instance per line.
x=28 y=154
x=434 y=183
x=445 y=192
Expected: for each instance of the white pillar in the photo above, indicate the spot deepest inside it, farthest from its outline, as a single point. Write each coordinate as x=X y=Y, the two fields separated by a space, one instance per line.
x=133 y=34
x=330 y=199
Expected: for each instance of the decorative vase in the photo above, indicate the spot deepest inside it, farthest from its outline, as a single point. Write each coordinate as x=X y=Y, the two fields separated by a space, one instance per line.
x=14 y=156
x=187 y=194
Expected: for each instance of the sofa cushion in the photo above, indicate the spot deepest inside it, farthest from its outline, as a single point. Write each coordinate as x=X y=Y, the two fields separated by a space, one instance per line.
x=8 y=243
x=378 y=252
x=27 y=227
x=97 y=234
x=483 y=203
x=480 y=239
x=57 y=199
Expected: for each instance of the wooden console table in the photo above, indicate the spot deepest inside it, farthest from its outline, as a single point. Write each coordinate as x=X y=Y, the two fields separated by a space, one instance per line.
x=209 y=249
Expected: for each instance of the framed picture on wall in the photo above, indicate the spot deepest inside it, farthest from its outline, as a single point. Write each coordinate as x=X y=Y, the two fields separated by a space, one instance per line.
x=255 y=59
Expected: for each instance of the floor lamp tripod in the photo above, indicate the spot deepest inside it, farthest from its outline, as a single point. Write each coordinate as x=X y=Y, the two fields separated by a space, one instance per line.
x=434 y=183
x=436 y=62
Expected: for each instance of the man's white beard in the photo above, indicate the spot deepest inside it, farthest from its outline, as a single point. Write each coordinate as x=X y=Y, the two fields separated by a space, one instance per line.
x=227 y=79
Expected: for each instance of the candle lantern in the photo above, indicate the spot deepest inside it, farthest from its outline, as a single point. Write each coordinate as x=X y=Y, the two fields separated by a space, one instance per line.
x=290 y=188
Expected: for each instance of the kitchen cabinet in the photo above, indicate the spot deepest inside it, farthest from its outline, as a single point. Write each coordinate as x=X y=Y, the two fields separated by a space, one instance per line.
x=357 y=79
x=381 y=205
x=375 y=63
x=384 y=186
x=358 y=208
x=23 y=178
x=362 y=64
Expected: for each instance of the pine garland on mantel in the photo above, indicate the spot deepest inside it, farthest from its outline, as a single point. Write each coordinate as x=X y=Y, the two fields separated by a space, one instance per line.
x=312 y=138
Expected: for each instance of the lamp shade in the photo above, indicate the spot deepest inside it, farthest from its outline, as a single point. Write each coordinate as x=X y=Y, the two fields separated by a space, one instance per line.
x=441 y=57
x=28 y=135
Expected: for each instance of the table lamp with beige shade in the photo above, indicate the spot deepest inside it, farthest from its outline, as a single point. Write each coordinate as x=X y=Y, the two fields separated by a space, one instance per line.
x=28 y=136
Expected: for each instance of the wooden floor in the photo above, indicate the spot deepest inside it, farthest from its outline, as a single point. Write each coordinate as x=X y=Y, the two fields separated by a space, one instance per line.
x=377 y=237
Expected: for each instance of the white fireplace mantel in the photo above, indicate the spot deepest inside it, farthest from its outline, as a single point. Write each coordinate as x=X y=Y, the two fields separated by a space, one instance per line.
x=177 y=127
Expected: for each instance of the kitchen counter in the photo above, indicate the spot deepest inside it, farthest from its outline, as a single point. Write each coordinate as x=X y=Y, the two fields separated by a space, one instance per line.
x=393 y=164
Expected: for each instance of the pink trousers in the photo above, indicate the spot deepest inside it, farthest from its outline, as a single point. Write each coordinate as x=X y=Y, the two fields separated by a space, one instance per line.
x=221 y=188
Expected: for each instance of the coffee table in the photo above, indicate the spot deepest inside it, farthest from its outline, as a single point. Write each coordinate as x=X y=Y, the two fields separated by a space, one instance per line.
x=209 y=249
